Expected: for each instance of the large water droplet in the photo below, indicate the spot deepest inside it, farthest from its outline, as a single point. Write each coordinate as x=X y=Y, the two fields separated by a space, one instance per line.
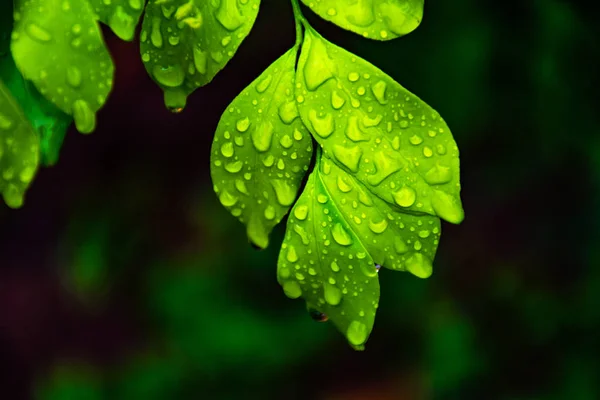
x=323 y=127
x=292 y=289
x=405 y=197
x=170 y=76
x=229 y=15
x=350 y=157
x=38 y=33
x=285 y=193
x=378 y=227
x=340 y=235
x=262 y=136
x=84 y=116
x=439 y=174
x=356 y=333
x=333 y=295
x=300 y=212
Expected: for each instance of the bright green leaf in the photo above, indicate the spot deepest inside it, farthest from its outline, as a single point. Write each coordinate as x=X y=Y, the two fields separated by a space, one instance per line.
x=184 y=44
x=397 y=146
x=59 y=47
x=121 y=15
x=50 y=123
x=261 y=151
x=396 y=240
x=373 y=19
x=19 y=150
x=324 y=261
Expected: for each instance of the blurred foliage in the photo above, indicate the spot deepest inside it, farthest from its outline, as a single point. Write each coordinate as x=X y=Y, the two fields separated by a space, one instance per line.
x=123 y=278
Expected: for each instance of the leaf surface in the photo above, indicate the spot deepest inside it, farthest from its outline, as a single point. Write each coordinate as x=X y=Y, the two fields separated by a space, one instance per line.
x=373 y=19
x=49 y=122
x=261 y=151
x=325 y=261
x=19 y=150
x=121 y=15
x=59 y=47
x=184 y=44
x=397 y=146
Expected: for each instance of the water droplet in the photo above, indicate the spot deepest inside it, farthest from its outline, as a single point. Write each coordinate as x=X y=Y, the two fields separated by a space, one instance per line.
x=335 y=267
x=438 y=175
x=84 y=116
x=333 y=295
x=292 y=289
x=288 y=112
x=353 y=131
x=350 y=157
x=170 y=76
x=356 y=333
x=234 y=167
x=264 y=84
x=291 y=254
x=378 y=90
x=200 y=60
x=343 y=185
x=337 y=101
x=405 y=197
x=262 y=136
x=227 y=199
x=419 y=265
x=324 y=127
x=340 y=235
x=378 y=227
x=38 y=33
x=227 y=149
x=416 y=140
x=156 y=35
x=286 y=141
x=353 y=76
x=300 y=212
x=285 y=193
x=229 y=15
x=242 y=125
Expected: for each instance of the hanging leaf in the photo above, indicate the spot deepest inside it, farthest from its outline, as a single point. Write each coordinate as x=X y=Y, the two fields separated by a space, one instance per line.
x=19 y=150
x=121 y=15
x=373 y=19
x=325 y=261
x=49 y=122
x=58 y=46
x=397 y=146
x=185 y=43
x=389 y=168
x=261 y=151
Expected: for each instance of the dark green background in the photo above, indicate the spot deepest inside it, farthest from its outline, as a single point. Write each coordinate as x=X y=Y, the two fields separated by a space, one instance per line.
x=123 y=277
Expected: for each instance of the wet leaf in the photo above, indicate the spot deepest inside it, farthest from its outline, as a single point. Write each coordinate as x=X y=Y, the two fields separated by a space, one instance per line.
x=59 y=47
x=49 y=122
x=184 y=44
x=19 y=150
x=397 y=146
x=325 y=261
x=373 y=19
x=261 y=151
x=121 y=15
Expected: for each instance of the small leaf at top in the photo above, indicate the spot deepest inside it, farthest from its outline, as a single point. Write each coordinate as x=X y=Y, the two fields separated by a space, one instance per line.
x=373 y=19
x=59 y=47
x=324 y=261
x=19 y=150
x=397 y=146
x=50 y=123
x=185 y=43
x=121 y=15
x=261 y=151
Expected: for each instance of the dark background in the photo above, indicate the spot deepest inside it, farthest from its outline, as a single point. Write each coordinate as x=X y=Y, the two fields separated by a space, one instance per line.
x=122 y=277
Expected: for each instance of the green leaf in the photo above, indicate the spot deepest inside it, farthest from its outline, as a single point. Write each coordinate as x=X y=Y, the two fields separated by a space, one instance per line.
x=325 y=261
x=19 y=150
x=397 y=146
x=49 y=122
x=387 y=169
x=261 y=151
x=121 y=15
x=184 y=44
x=58 y=46
x=373 y=19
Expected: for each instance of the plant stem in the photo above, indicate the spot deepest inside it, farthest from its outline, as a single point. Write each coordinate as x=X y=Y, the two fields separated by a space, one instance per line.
x=300 y=21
